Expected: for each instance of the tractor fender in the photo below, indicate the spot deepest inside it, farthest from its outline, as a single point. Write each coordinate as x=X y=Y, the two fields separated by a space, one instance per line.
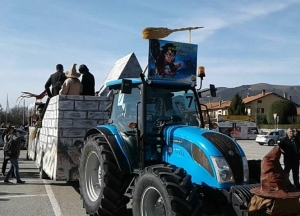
x=115 y=146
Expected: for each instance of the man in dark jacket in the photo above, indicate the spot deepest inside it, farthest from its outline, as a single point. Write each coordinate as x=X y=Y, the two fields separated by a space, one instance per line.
x=87 y=81
x=290 y=146
x=55 y=80
x=13 y=141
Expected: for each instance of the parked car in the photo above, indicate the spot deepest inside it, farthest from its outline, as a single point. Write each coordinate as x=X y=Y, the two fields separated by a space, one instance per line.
x=270 y=137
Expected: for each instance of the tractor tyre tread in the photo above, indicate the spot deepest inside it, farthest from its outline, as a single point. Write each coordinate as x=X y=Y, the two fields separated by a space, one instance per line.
x=113 y=201
x=174 y=184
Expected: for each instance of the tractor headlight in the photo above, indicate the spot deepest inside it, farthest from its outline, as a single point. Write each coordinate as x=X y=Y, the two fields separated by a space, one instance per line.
x=246 y=169
x=223 y=171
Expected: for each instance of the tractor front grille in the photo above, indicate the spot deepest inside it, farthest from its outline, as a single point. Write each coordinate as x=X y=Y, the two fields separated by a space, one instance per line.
x=230 y=151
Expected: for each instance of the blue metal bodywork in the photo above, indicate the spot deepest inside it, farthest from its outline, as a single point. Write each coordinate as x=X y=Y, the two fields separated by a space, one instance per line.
x=179 y=139
x=178 y=152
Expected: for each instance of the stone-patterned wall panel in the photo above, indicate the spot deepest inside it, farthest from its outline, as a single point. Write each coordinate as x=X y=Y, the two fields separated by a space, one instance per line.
x=49 y=140
x=104 y=105
x=74 y=114
x=65 y=123
x=73 y=132
x=43 y=138
x=65 y=105
x=51 y=132
x=50 y=158
x=60 y=114
x=66 y=141
x=70 y=97
x=95 y=115
x=86 y=105
x=86 y=123
x=55 y=113
x=45 y=121
x=102 y=122
x=92 y=98
x=54 y=123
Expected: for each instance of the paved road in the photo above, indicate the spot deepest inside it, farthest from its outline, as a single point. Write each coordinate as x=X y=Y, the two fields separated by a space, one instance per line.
x=38 y=197
x=46 y=197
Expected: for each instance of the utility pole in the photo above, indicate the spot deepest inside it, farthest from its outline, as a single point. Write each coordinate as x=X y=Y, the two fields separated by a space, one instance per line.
x=24 y=113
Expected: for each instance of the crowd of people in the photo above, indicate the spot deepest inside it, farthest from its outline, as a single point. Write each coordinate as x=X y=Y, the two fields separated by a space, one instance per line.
x=68 y=83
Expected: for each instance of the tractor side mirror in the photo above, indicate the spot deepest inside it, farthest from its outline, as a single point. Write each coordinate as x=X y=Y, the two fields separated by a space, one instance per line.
x=126 y=86
x=213 y=90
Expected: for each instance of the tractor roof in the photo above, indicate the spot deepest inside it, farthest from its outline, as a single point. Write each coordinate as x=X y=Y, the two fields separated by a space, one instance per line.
x=138 y=81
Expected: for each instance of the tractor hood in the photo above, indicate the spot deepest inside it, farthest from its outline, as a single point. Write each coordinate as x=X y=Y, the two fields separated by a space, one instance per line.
x=211 y=142
x=193 y=148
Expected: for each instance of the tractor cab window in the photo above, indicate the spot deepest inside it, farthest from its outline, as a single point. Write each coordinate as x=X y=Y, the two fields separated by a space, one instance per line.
x=124 y=110
x=171 y=105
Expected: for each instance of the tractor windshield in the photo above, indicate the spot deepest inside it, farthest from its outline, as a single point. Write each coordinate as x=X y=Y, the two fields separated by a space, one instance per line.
x=124 y=110
x=177 y=104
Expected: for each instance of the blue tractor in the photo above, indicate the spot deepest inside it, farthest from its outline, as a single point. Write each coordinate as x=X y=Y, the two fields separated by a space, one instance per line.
x=155 y=152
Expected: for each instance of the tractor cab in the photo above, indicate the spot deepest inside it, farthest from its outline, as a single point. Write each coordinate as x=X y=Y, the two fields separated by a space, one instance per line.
x=142 y=109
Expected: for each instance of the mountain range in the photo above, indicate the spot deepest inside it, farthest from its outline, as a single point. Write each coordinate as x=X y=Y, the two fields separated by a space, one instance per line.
x=224 y=93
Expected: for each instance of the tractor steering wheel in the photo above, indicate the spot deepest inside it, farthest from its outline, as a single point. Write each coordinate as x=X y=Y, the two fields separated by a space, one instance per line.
x=161 y=121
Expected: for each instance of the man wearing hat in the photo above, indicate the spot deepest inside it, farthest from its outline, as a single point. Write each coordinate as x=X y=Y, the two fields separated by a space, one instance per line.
x=72 y=85
x=55 y=80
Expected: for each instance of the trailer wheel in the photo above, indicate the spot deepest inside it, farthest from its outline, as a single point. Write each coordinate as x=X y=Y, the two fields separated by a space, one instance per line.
x=102 y=184
x=163 y=190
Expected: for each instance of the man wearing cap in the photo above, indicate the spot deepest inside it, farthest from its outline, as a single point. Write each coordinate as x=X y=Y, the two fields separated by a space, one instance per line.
x=55 y=80
x=289 y=146
x=87 y=81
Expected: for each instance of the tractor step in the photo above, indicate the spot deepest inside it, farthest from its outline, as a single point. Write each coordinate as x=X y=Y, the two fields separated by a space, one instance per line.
x=129 y=190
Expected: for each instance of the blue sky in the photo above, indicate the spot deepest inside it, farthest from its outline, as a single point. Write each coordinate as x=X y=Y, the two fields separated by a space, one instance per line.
x=242 y=42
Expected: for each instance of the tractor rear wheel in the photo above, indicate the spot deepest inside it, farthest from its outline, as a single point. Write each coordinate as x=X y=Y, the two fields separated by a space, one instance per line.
x=164 y=190
x=102 y=184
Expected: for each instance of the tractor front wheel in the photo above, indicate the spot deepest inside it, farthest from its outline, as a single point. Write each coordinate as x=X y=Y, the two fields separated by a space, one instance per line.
x=102 y=184
x=163 y=190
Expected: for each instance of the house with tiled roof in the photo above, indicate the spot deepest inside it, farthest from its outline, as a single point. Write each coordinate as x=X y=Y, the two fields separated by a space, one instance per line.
x=256 y=104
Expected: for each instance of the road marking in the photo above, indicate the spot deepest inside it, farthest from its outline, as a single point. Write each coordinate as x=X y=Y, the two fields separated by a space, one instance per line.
x=17 y=196
x=53 y=201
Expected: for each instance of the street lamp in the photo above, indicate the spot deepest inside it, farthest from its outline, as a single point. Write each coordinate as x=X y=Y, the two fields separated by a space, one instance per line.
x=162 y=32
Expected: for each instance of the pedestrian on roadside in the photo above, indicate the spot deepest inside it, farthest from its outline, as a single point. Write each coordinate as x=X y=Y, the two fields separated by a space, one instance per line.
x=5 y=159
x=14 y=142
x=55 y=80
x=72 y=85
x=290 y=146
x=228 y=132
x=87 y=81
